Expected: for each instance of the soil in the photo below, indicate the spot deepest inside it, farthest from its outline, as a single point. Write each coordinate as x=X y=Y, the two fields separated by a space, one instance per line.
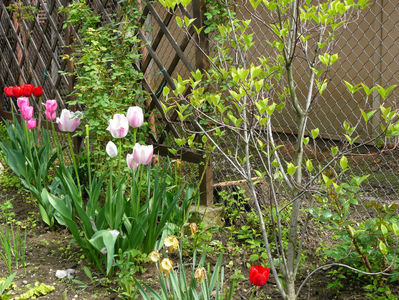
x=52 y=250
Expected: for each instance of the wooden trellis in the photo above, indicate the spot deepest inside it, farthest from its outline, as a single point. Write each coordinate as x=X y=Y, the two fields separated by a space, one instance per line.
x=30 y=52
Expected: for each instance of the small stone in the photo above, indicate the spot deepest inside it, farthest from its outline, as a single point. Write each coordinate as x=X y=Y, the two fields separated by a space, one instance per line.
x=61 y=274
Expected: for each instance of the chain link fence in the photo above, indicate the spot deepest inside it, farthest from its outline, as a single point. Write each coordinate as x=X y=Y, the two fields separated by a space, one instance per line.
x=369 y=53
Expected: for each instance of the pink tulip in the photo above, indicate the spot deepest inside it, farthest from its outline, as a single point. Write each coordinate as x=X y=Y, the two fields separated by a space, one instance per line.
x=135 y=116
x=131 y=164
x=142 y=154
x=51 y=105
x=27 y=112
x=31 y=123
x=68 y=121
x=118 y=126
x=51 y=115
x=21 y=102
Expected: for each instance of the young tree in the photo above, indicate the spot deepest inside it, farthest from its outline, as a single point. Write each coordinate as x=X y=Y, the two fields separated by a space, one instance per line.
x=240 y=99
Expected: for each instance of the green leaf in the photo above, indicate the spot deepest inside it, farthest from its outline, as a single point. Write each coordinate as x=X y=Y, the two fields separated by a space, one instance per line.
x=309 y=165
x=352 y=88
x=384 y=230
x=291 y=169
x=315 y=133
x=179 y=21
x=395 y=229
x=367 y=116
x=385 y=92
x=383 y=247
x=334 y=150
x=305 y=140
x=343 y=162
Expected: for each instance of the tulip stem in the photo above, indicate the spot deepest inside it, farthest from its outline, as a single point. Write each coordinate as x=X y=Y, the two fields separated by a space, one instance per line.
x=74 y=162
x=134 y=136
x=120 y=156
x=253 y=293
x=88 y=152
x=57 y=144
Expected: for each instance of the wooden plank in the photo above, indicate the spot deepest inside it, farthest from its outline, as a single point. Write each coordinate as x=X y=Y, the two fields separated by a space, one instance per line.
x=184 y=154
x=170 y=38
x=157 y=40
x=201 y=63
x=157 y=61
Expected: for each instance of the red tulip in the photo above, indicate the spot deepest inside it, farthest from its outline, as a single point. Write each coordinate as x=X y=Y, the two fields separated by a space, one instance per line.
x=37 y=91
x=17 y=91
x=258 y=275
x=27 y=90
x=8 y=91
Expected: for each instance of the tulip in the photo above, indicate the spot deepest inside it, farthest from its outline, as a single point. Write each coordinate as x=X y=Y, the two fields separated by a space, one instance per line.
x=171 y=242
x=193 y=228
x=154 y=256
x=17 y=91
x=37 y=91
x=31 y=123
x=166 y=265
x=258 y=275
x=50 y=115
x=135 y=116
x=68 y=121
x=27 y=90
x=142 y=154
x=51 y=105
x=200 y=274
x=131 y=164
x=8 y=91
x=27 y=112
x=118 y=126
x=21 y=102
x=111 y=149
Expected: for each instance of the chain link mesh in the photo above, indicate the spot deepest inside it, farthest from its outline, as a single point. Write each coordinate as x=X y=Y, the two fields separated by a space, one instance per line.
x=368 y=52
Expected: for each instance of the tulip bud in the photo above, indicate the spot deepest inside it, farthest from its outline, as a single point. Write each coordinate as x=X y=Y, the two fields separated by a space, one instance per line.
x=131 y=164
x=171 y=242
x=21 y=102
x=200 y=274
x=258 y=275
x=135 y=116
x=68 y=121
x=193 y=228
x=51 y=105
x=27 y=90
x=31 y=123
x=17 y=91
x=8 y=91
x=111 y=149
x=166 y=265
x=27 y=112
x=143 y=154
x=118 y=126
x=37 y=91
x=50 y=115
x=154 y=256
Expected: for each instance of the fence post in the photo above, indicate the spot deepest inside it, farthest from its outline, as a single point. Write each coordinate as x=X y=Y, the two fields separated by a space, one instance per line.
x=201 y=62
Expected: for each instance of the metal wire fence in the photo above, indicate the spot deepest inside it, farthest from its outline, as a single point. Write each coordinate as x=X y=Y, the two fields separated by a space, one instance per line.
x=368 y=52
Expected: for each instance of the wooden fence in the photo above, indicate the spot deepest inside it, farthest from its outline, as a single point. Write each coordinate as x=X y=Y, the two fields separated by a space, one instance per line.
x=30 y=52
